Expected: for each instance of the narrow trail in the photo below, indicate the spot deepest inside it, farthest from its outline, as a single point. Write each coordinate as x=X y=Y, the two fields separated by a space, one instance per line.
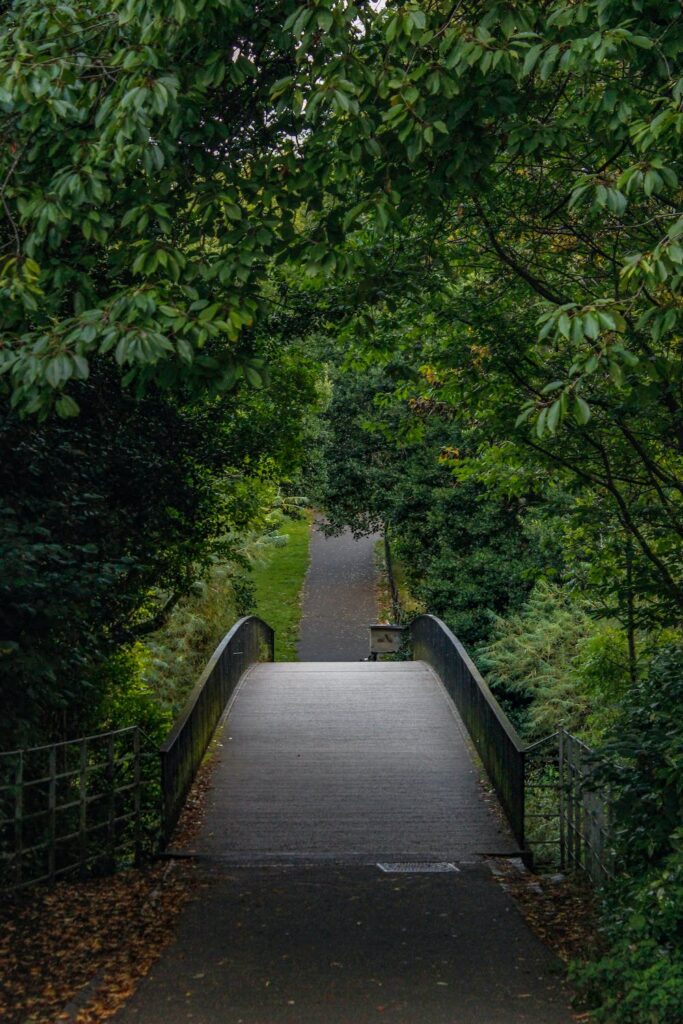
x=328 y=772
x=339 y=600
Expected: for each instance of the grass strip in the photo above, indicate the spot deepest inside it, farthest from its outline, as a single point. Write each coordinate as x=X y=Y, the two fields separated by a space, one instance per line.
x=279 y=579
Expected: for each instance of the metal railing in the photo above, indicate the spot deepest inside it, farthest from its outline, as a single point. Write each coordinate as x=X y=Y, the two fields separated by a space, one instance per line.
x=250 y=640
x=567 y=815
x=72 y=807
x=500 y=748
x=557 y=815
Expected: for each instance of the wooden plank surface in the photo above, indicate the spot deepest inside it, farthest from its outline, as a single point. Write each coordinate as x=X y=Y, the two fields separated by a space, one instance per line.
x=347 y=761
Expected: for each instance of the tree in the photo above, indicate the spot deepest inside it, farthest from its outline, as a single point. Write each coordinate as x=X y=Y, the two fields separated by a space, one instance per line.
x=144 y=183
x=388 y=464
x=106 y=520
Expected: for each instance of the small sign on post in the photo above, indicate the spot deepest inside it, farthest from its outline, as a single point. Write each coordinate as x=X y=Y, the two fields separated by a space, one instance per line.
x=385 y=639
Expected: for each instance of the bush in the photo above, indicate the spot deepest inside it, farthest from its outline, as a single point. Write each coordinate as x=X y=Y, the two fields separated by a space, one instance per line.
x=553 y=664
x=639 y=980
x=128 y=699
x=173 y=658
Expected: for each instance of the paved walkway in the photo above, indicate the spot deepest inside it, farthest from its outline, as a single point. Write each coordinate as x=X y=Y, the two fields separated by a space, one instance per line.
x=339 y=598
x=346 y=761
x=331 y=945
x=323 y=770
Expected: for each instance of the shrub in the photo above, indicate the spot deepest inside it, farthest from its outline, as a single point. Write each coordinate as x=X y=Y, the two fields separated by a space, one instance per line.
x=639 y=979
x=552 y=664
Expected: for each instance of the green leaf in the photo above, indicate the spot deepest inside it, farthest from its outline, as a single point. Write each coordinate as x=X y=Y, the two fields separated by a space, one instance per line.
x=554 y=416
x=253 y=377
x=524 y=415
x=540 y=422
x=591 y=326
x=66 y=407
x=582 y=412
x=532 y=55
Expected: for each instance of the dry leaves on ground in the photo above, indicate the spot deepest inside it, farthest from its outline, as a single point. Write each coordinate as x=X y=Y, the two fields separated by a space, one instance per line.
x=75 y=952
x=561 y=910
x=58 y=941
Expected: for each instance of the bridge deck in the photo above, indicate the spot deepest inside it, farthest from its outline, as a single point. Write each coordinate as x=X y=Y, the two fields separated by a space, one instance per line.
x=348 y=761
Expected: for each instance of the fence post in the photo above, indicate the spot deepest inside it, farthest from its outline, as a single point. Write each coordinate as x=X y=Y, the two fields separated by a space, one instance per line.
x=111 y=803
x=527 y=855
x=579 y=816
x=52 y=812
x=393 y=589
x=19 y=820
x=561 y=798
x=137 y=778
x=571 y=838
x=83 y=806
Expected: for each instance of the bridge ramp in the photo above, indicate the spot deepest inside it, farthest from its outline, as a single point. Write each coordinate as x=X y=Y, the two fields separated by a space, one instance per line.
x=353 y=762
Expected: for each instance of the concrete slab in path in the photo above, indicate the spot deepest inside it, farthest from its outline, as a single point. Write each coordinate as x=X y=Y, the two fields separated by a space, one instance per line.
x=351 y=946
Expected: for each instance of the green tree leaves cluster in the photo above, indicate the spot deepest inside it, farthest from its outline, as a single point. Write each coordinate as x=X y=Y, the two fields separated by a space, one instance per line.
x=639 y=977
x=106 y=520
x=389 y=467
x=142 y=190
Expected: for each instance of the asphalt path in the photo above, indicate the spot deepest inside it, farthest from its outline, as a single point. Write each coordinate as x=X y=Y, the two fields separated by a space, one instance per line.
x=354 y=762
x=339 y=600
x=351 y=945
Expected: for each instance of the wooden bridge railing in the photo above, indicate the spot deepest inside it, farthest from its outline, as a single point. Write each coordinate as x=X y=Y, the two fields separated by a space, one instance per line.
x=250 y=640
x=500 y=748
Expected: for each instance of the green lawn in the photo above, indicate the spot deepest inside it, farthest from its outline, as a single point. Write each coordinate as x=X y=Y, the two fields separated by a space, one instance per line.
x=279 y=579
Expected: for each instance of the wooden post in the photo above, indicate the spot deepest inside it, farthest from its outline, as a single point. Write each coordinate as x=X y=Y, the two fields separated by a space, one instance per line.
x=563 y=838
x=111 y=804
x=137 y=822
x=578 y=808
x=571 y=862
x=393 y=589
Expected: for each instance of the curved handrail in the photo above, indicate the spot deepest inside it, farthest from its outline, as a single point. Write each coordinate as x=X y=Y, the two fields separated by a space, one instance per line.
x=185 y=746
x=496 y=739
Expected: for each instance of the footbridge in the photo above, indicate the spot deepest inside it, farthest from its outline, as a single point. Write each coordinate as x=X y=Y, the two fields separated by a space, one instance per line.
x=345 y=860
x=349 y=762
x=346 y=857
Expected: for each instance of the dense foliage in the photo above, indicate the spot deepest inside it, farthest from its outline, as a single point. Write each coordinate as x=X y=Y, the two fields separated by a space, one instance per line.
x=479 y=206
x=108 y=519
x=140 y=187
x=464 y=550
x=641 y=977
